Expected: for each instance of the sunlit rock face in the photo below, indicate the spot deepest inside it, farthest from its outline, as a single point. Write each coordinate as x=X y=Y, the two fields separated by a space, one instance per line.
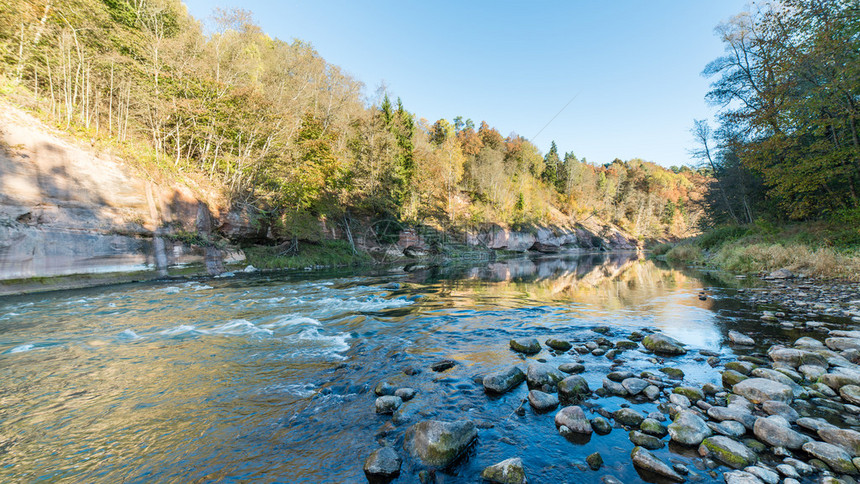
x=65 y=210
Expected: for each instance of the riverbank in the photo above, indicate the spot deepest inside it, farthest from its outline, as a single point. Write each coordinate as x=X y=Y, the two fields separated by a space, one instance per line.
x=822 y=250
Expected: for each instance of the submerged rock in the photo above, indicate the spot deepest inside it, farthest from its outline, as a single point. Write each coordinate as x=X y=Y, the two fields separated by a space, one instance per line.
x=509 y=471
x=438 y=444
x=504 y=380
x=594 y=461
x=662 y=344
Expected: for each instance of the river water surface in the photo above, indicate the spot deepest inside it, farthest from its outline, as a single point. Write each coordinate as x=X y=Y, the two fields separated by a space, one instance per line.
x=270 y=378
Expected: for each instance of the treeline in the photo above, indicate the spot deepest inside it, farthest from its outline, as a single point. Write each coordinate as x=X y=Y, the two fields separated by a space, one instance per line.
x=284 y=132
x=788 y=88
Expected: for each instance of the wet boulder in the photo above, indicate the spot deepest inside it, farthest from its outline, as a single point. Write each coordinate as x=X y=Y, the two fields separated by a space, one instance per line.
x=438 y=444
x=645 y=460
x=573 y=389
x=504 y=380
x=382 y=463
x=540 y=374
x=628 y=416
x=558 y=344
x=846 y=438
x=740 y=339
x=834 y=456
x=509 y=471
x=542 y=402
x=388 y=404
x=662 y=344
x=728 y=451
x=688 y=428
x=528 y=346
x=777 y=432
x=758 y=390
x=574 y=419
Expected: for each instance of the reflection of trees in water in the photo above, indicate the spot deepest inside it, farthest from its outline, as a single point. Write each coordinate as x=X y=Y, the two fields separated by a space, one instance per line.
x=612 y=280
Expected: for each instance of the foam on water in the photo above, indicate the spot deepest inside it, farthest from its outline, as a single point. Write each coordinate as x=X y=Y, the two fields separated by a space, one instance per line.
x=176 y=330
x=371 y=303
x=128 y=334
x=291 y=320
x=22 y=348
x=238 y=327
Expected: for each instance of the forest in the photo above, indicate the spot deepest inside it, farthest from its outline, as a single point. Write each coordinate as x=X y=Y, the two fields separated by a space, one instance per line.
x=277 y=129
x=786 y=146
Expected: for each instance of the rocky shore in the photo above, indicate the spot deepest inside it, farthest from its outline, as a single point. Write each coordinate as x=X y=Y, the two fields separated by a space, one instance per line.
x=781 y=413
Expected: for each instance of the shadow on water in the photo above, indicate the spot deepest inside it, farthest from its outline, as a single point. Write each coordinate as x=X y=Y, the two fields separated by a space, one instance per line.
x=271 y=378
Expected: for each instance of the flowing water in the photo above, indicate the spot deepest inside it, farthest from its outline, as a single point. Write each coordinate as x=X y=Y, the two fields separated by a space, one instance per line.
x=270 y=378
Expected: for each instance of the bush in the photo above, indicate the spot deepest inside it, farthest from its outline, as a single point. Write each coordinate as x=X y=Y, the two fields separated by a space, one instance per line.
x=686 y=253
x=661 y=249
x=720 y=235
x=329 y=253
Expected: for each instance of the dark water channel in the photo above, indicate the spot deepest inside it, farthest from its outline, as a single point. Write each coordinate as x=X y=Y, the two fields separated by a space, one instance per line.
x=271 y=378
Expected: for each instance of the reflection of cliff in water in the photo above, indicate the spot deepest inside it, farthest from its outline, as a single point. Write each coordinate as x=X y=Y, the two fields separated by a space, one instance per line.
x=611 y=280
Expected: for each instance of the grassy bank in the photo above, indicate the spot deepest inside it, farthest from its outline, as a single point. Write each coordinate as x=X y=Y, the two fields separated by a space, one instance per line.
x=329 y=253
x=820 y=249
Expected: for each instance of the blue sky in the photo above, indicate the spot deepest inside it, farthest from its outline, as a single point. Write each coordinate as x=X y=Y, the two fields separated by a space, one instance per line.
x=634 y=66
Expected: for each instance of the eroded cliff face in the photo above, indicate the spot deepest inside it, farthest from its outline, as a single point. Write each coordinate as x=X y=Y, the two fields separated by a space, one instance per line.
x=65 y=209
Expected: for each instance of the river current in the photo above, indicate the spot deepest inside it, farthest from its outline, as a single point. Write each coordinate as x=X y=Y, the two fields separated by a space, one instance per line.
x=269 y=378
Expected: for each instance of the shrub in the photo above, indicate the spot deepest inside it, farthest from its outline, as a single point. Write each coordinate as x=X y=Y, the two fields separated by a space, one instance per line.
x=686 y=253
x=720 y=235
x=661 y=249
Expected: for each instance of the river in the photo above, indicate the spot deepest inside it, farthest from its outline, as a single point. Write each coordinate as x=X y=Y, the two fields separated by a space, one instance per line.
x=270 y=377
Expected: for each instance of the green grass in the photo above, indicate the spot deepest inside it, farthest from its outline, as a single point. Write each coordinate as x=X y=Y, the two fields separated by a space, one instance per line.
x=329 y=253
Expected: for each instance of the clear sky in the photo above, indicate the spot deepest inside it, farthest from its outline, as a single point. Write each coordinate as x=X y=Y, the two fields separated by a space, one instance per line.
x=634 y=66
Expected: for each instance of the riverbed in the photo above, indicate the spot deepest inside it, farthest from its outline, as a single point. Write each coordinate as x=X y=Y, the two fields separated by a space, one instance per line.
x=271 y=377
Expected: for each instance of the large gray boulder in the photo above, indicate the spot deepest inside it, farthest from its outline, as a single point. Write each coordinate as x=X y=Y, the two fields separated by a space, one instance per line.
x=574 y=419
x=573 y=389
x=504 y=380
x=438 y=444
x=777 y=432
x=688 y=428
x=846 y=438
x=540 y=374
x=728 y=451
x=662 y=344
x=528 y=346
x=758 y=390
x=834 y=456
x=542 y=402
